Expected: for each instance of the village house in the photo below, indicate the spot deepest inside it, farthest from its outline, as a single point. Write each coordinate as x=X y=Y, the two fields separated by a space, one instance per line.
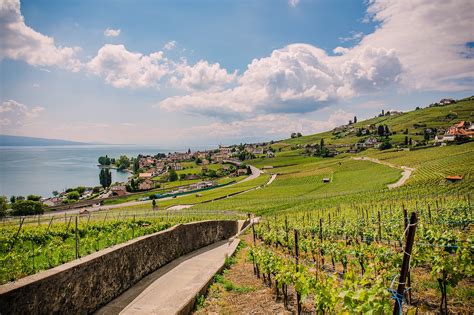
x=51 y=202
x=145 y=175
x=146 y=185
x=225 y=150
x=241 y=172
x=175 y=166
x=258 y=150
x=270 y=154
x=118 y=190
x=458 y=132
x=370 y=142
x=446 y=101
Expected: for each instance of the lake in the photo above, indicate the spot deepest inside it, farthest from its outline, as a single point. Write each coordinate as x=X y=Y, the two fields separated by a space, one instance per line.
x=41 y=170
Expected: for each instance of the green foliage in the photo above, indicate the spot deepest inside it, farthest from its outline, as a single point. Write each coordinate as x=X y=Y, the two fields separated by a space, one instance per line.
x=3 y=206
x=73 y=195
x=123 y=162
x=172 y=175
x=105 y=177
x=385 y=145
x=104 y=160
x=27 y=207
x=33 y=197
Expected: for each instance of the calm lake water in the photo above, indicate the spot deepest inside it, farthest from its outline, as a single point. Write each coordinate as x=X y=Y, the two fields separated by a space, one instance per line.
x=41 y=170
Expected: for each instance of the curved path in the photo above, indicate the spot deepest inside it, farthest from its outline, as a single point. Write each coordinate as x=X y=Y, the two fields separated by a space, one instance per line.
x=405 y=174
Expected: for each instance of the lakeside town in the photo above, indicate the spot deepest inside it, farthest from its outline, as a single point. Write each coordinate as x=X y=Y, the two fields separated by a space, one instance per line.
x=177 y=173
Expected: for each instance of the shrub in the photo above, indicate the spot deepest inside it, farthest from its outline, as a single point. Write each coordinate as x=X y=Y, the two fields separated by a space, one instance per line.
x=27 y=207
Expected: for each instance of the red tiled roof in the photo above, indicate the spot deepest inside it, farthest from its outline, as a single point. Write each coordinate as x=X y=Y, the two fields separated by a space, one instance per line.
x=454 y=177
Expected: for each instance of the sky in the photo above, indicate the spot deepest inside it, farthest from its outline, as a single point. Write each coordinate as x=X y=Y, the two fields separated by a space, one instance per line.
x=223 y=72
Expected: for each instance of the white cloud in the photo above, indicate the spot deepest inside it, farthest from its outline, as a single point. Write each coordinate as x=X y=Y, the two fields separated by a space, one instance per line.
x=429 y=38
x=297 y=78
x=170 y=45
x=110 y=32
x=201 y=76
x=293 y=3
x=20 y=42
x=122 y=68
x=303 y=78
x=14 y=114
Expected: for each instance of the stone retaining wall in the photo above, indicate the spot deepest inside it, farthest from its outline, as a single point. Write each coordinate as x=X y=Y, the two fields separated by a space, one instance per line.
x=85 y=284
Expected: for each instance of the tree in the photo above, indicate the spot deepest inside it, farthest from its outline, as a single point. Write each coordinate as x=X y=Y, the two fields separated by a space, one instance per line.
x=55 y=193
x=27 y=207
x=182 y=176
x=153 y=203
x=385 y=145
x=33 y=198
x=387 y=131
x=321 y=143
x=3 y=206
x=299 y=134
x=355 y=119
x=406 y=131
x=104 y=160
x=123 y=162
x=105 y=177
x=380 y=130
x=410 y=142
x=73 y=195
x=406 y=140
x=173 y=176
x=136 y=165
x=12 y=199
x=249 y=170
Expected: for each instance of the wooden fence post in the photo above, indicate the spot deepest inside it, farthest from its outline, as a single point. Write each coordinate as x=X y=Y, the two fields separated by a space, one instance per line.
x=298 y=297
x=410 y=239
x=77 y=241
x=380 y=229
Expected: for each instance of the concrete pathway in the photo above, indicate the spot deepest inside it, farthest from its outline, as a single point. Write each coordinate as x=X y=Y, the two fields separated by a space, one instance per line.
x=173 y=288
x=405 y=174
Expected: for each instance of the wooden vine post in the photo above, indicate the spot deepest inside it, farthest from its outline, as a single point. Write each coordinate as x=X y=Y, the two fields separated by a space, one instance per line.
x=298 y=297
x=410 y=239
x=77 y=241
x=379 y=227
x=255 y=266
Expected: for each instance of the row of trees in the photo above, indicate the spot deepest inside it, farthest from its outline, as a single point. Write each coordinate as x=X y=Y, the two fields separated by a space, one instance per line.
x=21 y=207
x=123 y=162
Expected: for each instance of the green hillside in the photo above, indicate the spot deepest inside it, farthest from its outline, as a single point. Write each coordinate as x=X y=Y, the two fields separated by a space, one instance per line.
x=415 y=121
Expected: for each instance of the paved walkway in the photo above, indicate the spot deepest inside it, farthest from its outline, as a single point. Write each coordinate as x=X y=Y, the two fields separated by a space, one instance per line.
x=172 y=288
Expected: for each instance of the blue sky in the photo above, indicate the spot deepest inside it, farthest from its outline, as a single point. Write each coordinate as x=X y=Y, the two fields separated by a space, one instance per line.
x=209 y=72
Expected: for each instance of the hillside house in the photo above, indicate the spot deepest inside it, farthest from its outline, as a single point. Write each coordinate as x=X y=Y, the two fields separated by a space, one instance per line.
x=258 y=150
x=326 y=180
x=270 y=154
x=454 y=178
x=145 y=175
x=446 y=101
x=175 y=166
x=370 y=142
x=118 y=190
x=146 y=185
x=241 y=172
x=51 y=202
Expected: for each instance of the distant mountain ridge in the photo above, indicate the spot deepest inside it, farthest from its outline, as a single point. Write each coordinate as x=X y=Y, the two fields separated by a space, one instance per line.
x=7 y=140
